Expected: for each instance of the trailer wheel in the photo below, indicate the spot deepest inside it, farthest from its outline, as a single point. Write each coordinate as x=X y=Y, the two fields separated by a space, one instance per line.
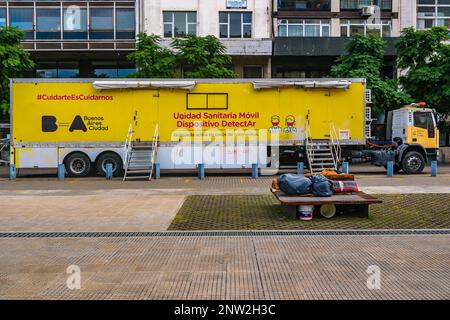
x=77 y=165
x=413 y=162
x=112 y=158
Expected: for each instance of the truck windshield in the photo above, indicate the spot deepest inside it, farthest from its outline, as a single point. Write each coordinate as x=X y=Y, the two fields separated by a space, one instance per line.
x=423 y=120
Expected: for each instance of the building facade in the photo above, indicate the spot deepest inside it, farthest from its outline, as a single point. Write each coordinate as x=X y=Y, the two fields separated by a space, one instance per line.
x=311 y=34
x=243 y=26
x=69 y=39
x=266 y=38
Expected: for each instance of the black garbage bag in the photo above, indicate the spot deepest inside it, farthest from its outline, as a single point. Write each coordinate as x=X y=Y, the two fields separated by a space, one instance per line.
x=321 y=186
x=294 y=184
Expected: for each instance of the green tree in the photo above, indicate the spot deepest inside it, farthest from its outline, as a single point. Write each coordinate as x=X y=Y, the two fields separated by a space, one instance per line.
x=13 y=61
x=364 y=58
x=152 y=60
x=425 y=59
x=205 y=57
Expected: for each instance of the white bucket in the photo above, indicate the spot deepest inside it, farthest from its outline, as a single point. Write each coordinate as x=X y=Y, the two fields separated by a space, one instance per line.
x=305 y=213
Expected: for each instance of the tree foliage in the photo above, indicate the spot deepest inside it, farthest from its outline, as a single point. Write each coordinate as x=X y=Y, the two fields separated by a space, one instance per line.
x=205 y=57
x=152 y=60
x=13 y=61
x=364 y=58
x=425 y=59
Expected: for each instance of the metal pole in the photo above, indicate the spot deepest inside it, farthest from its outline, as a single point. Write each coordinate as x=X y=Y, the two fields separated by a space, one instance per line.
x=434 y=168
x=201 y=171
x=109 y=171
x=345 y=167
x=157 y=171
x=390 y=168
x=254 y=170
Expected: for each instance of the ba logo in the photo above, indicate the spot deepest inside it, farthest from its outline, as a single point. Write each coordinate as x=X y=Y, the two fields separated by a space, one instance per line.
x=49 y=124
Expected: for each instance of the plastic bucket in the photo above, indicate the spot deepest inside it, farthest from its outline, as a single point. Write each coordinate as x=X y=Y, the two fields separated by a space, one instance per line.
x=305 y=213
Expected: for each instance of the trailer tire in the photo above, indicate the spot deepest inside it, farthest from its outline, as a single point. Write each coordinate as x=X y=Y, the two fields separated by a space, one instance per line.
x=109 y=157
x=78 y=165
x=413 y=162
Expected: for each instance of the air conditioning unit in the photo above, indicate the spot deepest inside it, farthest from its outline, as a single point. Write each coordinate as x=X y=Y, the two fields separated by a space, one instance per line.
x=368 y=11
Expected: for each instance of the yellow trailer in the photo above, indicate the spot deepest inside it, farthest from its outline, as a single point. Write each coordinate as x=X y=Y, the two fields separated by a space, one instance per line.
x=88 y=123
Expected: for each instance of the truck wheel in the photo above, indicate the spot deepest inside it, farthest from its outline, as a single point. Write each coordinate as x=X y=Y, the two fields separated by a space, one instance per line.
x=77 y=165
x=112 y=158
x=413 y=163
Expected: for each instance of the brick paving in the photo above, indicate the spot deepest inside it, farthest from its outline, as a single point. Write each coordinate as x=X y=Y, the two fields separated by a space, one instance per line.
x=104 y=212
x=264 y=212
x=236 y=267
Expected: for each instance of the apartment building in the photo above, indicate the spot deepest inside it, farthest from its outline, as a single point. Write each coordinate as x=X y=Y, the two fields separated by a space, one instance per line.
x=311 y=34
x=69 y=39
x=243 y=26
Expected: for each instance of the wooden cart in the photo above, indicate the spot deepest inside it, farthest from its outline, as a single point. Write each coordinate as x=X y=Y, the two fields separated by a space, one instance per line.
x=356 y=204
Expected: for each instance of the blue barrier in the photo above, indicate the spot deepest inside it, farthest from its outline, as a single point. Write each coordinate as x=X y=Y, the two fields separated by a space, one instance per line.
x=61 y=172
x=345 y=167
x=300 y=168
x=254 y=170
x=109 y=171
x=434 y=168
x=390 y=168
x=157 y=171
x=12 y=172
x=201 y=171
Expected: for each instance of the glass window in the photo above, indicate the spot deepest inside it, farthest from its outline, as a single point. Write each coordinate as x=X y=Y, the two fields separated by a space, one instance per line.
x=125 y=24
x=423 y=120
x=304 y=4
x=235 y=24
x=22 y=18
x=101 y=23
x=57 y=70
x=2 y=17
x=48 y=23
x=358 y=4
x=351 y=27
x=432 y=13
x=179 y=23
x=75 y=23
x=253 y=72
x=303 y=28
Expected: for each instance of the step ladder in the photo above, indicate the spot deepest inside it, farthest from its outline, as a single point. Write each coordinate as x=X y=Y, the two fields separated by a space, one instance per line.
x=140 y=158
x=323 y=154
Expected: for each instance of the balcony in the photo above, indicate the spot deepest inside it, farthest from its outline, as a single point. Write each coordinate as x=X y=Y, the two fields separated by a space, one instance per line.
x=318 y=46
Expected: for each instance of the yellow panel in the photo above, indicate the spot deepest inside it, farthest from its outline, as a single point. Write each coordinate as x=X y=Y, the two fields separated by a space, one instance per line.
x=217 y=101
x=197 y=101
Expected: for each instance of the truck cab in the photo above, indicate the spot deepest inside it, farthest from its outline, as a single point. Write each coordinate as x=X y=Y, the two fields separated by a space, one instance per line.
x=414 y=129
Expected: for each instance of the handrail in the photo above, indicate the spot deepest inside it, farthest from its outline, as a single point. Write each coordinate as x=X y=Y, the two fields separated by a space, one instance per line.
x=127 y=149
x=335 y=145
x=154 y=147
x=308 y=144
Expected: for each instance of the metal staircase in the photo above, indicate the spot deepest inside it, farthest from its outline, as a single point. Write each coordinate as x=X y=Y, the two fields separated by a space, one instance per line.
x=323 y=154
x=139 y=157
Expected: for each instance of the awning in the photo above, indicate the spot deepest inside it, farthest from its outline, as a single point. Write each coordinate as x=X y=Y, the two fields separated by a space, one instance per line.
x=133 y=84
x=269 y=84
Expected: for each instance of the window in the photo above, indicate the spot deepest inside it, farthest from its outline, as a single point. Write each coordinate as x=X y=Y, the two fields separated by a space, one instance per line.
x=253 y=72
x=423 y=120
x=48 y=23
x=358 y=4
x=350 y=27
x=431 y=13
x=2 y=17
x=112 y=69
x=179 y=23
x=75 y=23
x=304 y=5
x=57 y=70
x=101 y=23
x=22 y=18
x=235 y=24
x=303 y=28
x=125 y=24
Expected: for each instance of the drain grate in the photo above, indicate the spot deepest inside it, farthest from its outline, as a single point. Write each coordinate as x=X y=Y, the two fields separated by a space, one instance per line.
x=222 y=233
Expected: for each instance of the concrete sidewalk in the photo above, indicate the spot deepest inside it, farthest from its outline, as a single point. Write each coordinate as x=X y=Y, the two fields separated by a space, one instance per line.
x=233 y=267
